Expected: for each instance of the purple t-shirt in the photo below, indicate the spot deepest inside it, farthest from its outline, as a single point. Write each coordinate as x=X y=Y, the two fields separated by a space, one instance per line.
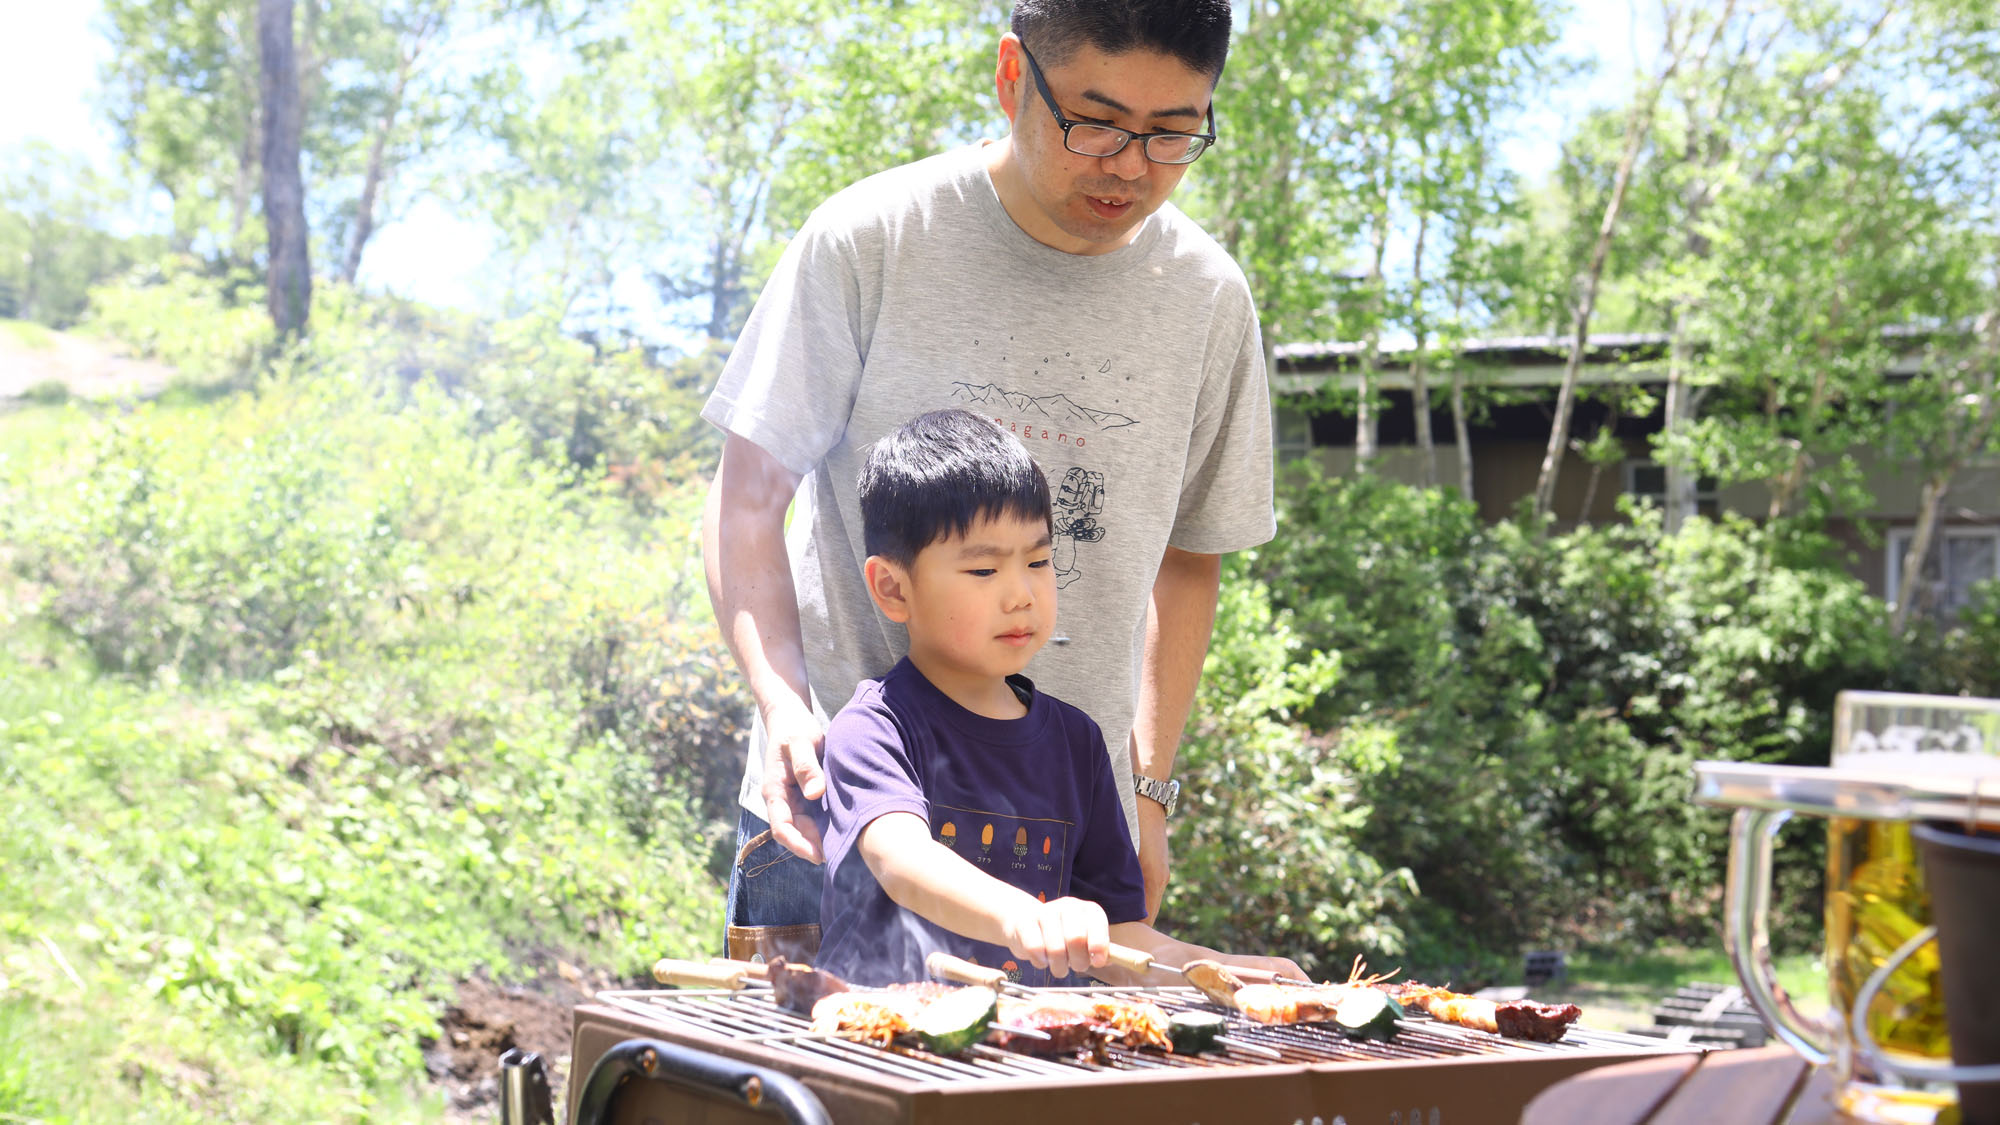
x=1030 y=801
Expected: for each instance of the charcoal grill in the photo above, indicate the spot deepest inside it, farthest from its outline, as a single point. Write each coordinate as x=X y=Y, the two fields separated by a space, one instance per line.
x=1430 y=1073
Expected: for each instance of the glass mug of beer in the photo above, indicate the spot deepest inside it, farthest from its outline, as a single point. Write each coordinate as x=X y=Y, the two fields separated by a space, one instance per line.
x=1896 y=759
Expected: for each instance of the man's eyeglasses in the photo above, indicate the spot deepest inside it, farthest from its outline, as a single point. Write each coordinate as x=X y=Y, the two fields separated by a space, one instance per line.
x=1087 y=139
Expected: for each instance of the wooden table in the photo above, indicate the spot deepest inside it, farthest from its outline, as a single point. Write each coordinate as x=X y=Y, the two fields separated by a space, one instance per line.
x=1749 y=1087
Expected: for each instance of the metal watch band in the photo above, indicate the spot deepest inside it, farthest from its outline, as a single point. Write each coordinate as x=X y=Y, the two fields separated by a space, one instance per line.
x=1166 y=793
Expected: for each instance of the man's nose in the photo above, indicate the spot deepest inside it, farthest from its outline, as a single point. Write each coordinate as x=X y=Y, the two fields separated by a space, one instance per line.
x=1128 y=163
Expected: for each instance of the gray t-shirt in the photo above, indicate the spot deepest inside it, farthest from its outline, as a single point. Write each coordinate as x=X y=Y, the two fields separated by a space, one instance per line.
x=1135 y=378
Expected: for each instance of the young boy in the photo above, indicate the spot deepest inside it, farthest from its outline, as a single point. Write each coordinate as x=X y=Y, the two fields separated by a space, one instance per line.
x=965 y=811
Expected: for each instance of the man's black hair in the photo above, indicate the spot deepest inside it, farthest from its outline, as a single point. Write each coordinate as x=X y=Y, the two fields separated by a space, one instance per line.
x=1194 y=31
x=936 y=475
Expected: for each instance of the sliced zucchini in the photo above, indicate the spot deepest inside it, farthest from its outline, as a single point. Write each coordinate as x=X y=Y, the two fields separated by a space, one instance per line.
x=1192 y=1033
x=956 y=1020
x=1365 y=1013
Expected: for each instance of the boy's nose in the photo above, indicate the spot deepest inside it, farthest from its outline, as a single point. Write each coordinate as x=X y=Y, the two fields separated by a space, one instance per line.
x=1021 y=593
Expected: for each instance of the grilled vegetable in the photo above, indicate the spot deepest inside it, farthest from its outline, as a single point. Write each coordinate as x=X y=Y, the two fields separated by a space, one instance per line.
x=956 y=1020
x=1195 y=1032
x=1365 y=1013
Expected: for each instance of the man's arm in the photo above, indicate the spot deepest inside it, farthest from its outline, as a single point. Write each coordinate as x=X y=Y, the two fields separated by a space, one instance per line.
x=1179 y=620
x=750 y=586
x=933 y=882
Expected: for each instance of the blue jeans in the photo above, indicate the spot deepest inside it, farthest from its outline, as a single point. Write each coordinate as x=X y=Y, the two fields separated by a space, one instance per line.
x=771 y=887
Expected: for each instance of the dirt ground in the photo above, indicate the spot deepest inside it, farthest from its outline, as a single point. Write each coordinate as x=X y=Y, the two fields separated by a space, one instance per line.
x=89 y=368
x=488 y=1019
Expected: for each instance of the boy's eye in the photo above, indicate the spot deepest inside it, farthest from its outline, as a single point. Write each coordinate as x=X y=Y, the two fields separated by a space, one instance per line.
x=981 y=572
x=1041 y=562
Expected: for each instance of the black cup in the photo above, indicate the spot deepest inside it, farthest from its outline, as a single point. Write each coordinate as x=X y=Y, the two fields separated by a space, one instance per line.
x=1963 y=873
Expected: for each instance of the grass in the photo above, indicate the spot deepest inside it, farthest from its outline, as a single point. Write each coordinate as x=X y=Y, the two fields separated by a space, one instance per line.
x=28 y=333
x=1617 y=989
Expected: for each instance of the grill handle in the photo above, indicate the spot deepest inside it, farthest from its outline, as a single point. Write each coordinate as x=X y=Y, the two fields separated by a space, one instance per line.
x=944 y=966
x=524 y=1089
x=699 y=974
x=753 y=1087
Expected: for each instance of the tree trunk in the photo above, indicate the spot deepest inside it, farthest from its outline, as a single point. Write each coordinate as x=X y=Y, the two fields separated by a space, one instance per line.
x=289 y=278
x=1458 y=426
x=1371 y=355
x=1638 y=124
x=1596 y=473
x=1420 y=392
x=371 y=181
x=1679 y=504
x=1930 y=499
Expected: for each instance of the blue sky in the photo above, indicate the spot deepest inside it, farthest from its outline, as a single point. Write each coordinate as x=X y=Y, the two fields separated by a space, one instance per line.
x=48 y=75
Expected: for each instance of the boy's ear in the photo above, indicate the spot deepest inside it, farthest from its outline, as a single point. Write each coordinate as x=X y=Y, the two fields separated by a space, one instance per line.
x=889 y=585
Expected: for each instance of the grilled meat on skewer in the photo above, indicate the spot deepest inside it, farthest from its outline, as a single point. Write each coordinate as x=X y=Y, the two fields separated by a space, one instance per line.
x=1081 y=1026
x=1065 y=1020
x=1510 y=1019
x=800 y=988
x=871 y=1017
x=1271 y=1003
x=1135 y=1023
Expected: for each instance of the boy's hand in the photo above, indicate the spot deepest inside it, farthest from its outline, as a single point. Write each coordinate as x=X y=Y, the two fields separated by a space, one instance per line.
x=1069 y=935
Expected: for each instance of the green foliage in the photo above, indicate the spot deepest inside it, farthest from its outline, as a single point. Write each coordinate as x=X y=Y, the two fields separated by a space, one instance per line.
x=219 y=544
x=256 y=870
x=214 y=333
x=1268 y=853
x=1546 y=697
x=60 y=234
x=332 y=690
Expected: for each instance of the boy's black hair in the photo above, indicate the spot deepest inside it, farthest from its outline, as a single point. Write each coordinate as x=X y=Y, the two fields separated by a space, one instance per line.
x=937 y=474
x=1194 y=31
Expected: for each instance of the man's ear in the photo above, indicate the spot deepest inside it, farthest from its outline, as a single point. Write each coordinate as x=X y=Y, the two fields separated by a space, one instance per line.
x=889 y=585
x=1009 y=71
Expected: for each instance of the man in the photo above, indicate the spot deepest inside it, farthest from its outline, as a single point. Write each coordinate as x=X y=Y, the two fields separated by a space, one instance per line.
x=1045 y=282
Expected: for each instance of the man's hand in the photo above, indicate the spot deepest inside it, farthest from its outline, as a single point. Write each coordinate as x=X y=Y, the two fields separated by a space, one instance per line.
x=1069 y=935
x=1154 y=860
x=793 y=778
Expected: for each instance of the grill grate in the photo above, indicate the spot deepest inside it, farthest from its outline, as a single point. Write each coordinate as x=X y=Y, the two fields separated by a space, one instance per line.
x=752 y=1015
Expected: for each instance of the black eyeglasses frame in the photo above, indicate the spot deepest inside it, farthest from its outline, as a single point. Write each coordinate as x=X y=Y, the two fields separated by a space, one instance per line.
x=1145 y=139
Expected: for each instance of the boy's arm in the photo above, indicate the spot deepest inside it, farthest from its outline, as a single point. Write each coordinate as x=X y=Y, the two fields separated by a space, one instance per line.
x=933 y=882
x=1167 y=951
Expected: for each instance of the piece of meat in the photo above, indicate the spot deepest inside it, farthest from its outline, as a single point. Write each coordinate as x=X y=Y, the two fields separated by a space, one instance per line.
x=1215 y=981
x=798 y=988
x=1539 y=1023
x=1134 y=1023
x=1281 y=1004
x=1069 y=1022
x=872 y=1017
x=1513 y=1019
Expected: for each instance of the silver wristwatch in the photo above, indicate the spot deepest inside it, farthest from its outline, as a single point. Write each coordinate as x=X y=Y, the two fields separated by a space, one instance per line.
x=1167 y=793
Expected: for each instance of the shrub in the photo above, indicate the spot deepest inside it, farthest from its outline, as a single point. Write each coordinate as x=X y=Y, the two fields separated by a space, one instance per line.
x=1550 y=694
x=213 y=331
x=1267 y=855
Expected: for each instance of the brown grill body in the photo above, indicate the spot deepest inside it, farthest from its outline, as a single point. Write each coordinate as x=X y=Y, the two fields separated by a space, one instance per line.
x=1429 y=1074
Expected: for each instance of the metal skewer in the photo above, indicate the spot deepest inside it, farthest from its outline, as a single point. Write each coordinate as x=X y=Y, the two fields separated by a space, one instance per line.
x=735 y=976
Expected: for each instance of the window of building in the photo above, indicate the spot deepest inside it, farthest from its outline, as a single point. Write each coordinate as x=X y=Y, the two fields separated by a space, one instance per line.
x=1647 y=480
x=1960 y=558
x=1291 y=434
